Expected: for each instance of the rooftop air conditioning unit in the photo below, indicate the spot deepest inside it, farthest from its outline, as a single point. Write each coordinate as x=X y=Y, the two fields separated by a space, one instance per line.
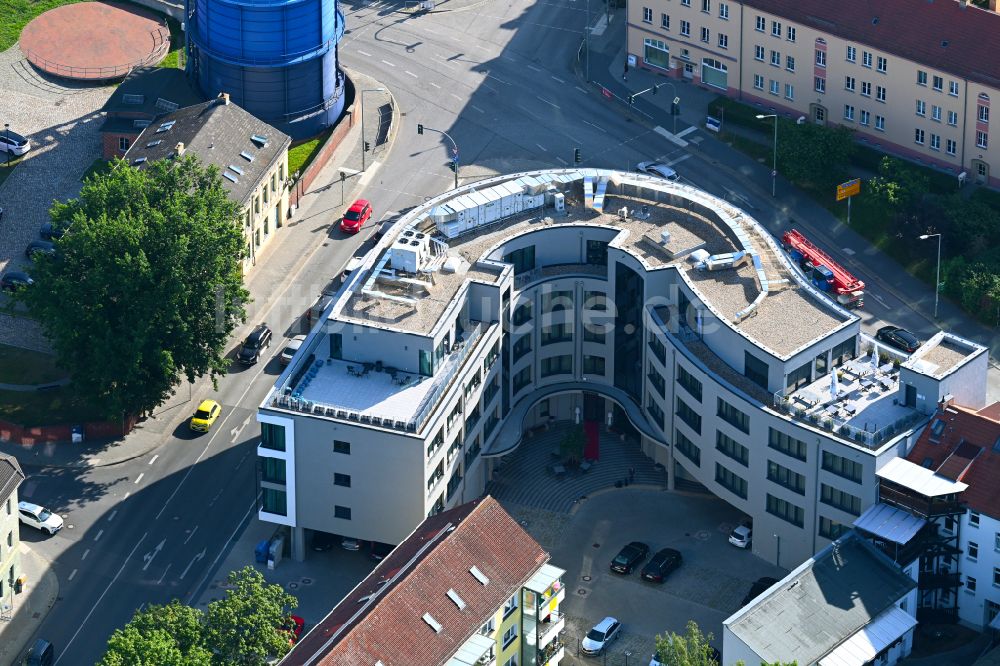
x=665 y=237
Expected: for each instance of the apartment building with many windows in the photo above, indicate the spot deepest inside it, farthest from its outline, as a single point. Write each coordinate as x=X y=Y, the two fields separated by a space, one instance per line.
x=11 y=477
x=590 y=295
x=469 y=587
x=913 y=79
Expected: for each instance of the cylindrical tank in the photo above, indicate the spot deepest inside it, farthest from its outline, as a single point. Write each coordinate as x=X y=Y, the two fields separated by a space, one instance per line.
x=276 y=58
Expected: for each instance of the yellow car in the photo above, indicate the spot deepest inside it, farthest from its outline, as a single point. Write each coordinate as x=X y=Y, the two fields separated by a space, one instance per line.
x=203 y=419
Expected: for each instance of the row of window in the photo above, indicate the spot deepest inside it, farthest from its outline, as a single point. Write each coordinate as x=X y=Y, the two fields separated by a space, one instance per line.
x=865 y=119
x=951 y=146
x=970 y=582
x=774 y=87
x=937 y=83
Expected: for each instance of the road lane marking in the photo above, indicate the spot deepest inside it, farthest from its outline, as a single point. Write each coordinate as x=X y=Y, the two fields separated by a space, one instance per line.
x=216 y=498
x=148 y=557
x=557 y=79
x=435 y=85
x=160 y=582
x=85 y=553
x=411 y=73
x=367 y=55
x=541 y=147
x=562 y=161
x=476 y=108
x=72 y=573
x=548 y=102
x=139 y=478
x=534 y=69
x=239 y=523
x=65 y=649
x=196 y=558
x=687 y=131
x=596 y=126
x=581 y=89
x=99 y=534
x=123 y=499
x=506 y=83
x=112 y=516
x=456 y=96
x=389 y=63
x=153 y=459
x=191 y=535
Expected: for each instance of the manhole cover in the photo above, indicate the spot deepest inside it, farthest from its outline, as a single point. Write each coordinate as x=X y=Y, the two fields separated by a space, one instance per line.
x=307 y=581
x=293 y=586
x=597 y=545
x=586 y=578
x=582 y=591
x=35 y=616
x=702 y=535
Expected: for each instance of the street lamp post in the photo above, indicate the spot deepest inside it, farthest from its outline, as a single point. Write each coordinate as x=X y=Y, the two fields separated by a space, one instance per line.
x=937 y=273
x=421 y=128
x=774 y=168
x=586 y=40
x=364 y=139
x=6 y=131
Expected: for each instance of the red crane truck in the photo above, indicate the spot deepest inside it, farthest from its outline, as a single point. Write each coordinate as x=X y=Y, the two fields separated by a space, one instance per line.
x=824 y=273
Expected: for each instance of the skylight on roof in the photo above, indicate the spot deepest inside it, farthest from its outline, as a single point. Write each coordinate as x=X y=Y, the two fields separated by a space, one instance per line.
x=165 y=105
x=228 y=176
x=151 y=144
x=259 y=140
x=236 y=169
x=165 y=126
x=247 y=156
x=996 y=446
x=479 y=575
x=133 y=99
x=453 y=595
x=140 y=123
x=434 y=624
x=138 y=161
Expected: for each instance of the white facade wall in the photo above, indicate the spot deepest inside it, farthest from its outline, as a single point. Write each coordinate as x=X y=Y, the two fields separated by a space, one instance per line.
x=979 y=596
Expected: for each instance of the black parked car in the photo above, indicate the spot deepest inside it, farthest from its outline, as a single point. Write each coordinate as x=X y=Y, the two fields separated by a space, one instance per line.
x=51 y=231
x=900 y=338
x=629 y=556
x=256 y=342
x=661 y=565
x=758 y=589
x=379 y=551
x=324 y=541
x=14 y=280
x=39 y=247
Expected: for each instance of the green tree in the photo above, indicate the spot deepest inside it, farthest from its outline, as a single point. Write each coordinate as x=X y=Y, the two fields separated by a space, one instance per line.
x=168 y=635
x=571 y=446
x=147 y=283
x=246 y=627
x=691 y=649
x=899 y=186
x=811 y=153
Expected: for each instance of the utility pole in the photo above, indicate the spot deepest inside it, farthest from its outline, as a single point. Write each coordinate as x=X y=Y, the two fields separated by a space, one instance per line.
x=421 y=128
x=774 y=169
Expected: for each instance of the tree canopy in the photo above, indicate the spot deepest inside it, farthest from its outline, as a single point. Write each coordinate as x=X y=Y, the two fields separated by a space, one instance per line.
x=692 y=649
x=146 y=284
x=814 y=153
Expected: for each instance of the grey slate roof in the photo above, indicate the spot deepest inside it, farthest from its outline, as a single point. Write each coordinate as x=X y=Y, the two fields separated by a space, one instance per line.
x=217 y=133
x=821 y=603
x=11 y=476
x=149 y=92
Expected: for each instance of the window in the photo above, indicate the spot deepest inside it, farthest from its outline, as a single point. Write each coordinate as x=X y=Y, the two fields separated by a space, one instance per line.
x=880 y=123
x=647 y=15
x=820 y=84
x=970 y=583
x=921 y=108
x=510 y=635
x=784 y=510
x=951 y=146
x=785 y=477
x=705 y=35
x=790 y=34
x=866 y=89
x=786 y=444
x=665 y=21
x=953 y=88
x=789 y=63
x=654 y=412
x=972 y=552
x=840 y=500
x=342 y=447
x=723 y=41
x=996 y=576
x=776 y=58
x=522 y=313
x=656 y=379
x=732 y=416
x=755 y=370
x=973 y=519
x=982 y=141
x=731 y=448
x=852 y=54
x=936 y=112
x=597 y=252
x=123 y=143
x=935 y=142
x=523 y=259
x=938 y=83
x=996 y=541
x=983 y=113
x=557 y=301
x=657 y=54
x=865 y=117
x=686 y=3
x=687 y=447
x=789 y=91
x=953 y=119
x=706 y=6
x=761 y=23
x=775 y=87
x=758 y=81
x=521 y=347
x=688 y=382
x=522 y=379
x=842 y=467
x=880 y=93
x=342 y=512
x=831 y=529
x=776 y=28
x=758 y=52
x=866 y=59
x=557 y=365
x=436 y=443
x=556 y=333
x=689 y=416
x=685 y=29
x=849 y=83
x=881 y=64
x=272 y=436
x=820 y=58
x=342 y=480
x=593 y=365
x=509 y=607
x=921 y=78
x=513 y=661
x=732 y=482
x=592 y=333
x=274 y=501
x=723 y=11
x=272 y=470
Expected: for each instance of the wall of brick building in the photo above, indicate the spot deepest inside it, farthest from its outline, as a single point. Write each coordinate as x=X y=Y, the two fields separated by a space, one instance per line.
x=307 y=177
x=29 y=435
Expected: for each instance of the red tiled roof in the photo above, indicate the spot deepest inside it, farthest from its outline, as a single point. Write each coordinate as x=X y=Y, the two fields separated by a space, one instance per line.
x=912 y=29
x=964 y=452
x=435 y=558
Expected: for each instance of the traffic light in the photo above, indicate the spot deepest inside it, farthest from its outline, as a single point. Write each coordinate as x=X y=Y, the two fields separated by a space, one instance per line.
x=656 y=86
x=631 y=100
x=576 y=156
x=453 y=165
x=368 y=146
x=420 y=129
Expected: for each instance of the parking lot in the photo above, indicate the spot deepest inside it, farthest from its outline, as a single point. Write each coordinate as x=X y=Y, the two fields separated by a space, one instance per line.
x=707 y=588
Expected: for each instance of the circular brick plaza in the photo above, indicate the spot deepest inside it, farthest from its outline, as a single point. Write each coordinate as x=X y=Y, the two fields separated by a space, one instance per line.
x=94 y=40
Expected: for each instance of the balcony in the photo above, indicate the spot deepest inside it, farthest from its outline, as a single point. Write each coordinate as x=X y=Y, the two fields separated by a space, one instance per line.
x=547 y=631
x=559 y=270
x=552 y=655
x=935 y=581
x=919 y=504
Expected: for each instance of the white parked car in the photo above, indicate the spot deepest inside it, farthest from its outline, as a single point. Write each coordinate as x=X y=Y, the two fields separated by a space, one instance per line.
x=39 y=517
x=13 y=143
x=741 y=537
x=600 y=636
x=289 y=351
x=657 y=169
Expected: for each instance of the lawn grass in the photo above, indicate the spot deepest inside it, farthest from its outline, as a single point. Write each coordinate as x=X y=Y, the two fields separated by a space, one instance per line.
x=23 y=366
x=50 y=407
x=173 y=57
x=97 y=166
x=300 y=156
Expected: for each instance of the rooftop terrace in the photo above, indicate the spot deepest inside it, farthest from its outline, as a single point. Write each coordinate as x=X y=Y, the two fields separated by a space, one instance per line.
x=941 y=354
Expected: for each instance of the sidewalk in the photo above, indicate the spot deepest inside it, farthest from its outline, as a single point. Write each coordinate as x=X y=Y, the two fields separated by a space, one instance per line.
x=305 y=233
x=749 y=177
x=30 y=607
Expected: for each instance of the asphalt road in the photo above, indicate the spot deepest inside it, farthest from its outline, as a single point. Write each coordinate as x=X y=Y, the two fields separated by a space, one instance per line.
x=497 y=79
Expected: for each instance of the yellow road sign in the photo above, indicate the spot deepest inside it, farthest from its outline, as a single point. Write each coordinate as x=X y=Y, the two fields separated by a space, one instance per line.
x=848 y=189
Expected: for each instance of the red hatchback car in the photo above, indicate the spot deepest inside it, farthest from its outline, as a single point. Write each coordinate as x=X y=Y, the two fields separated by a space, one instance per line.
x=356 y=216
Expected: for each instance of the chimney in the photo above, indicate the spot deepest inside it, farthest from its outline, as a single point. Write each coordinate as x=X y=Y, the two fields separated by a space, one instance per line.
x=223 y=98
x=179 y=148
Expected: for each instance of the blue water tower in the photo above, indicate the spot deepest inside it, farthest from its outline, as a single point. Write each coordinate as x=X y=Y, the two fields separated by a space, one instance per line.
x=276 y=58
